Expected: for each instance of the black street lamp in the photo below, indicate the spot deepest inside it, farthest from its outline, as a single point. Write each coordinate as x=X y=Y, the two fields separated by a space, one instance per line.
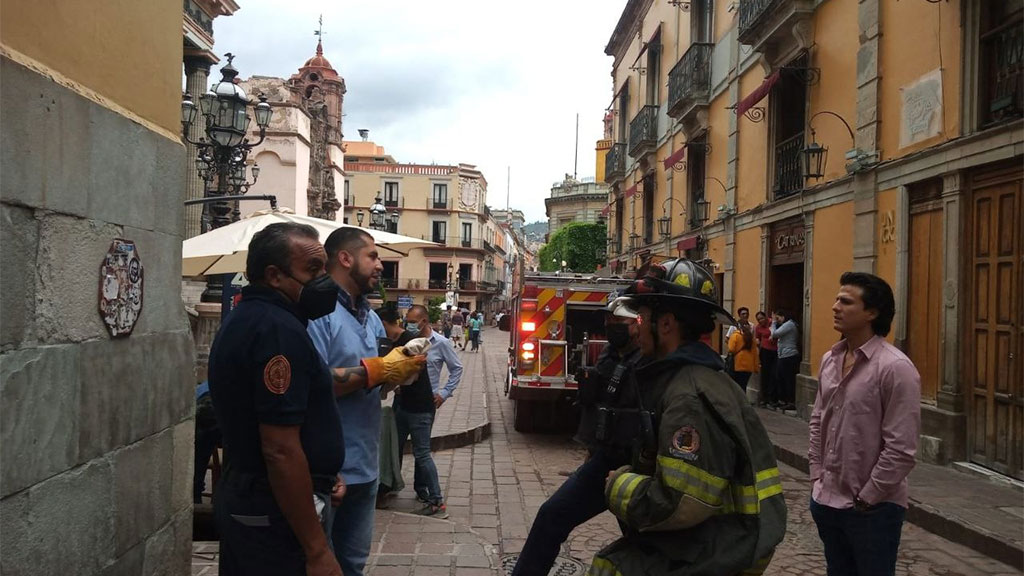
x=223 y=152
x=815 y=156
x=359 y=217
x=378 y=213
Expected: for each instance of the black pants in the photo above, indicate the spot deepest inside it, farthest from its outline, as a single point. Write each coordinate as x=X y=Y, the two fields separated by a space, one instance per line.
x=741 y=378
x=579 y=499
x=255 y=538
x=860 y=543
x=769 y=392
x=786 y=375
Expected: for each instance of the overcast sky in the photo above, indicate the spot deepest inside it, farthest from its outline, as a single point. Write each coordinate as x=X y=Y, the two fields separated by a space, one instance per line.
x=495 y=84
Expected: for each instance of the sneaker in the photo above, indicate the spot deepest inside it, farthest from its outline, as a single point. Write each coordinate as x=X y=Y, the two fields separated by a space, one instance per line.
x=421 y=499
x=440 y=512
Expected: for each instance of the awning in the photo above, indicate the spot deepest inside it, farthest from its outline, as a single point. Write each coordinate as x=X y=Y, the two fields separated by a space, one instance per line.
x=687 y=243
x=606 y=209
x=758 y=94
x=631 y=191
x=675 y=157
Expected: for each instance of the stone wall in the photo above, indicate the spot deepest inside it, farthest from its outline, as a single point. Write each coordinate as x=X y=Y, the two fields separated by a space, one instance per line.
x=96 y=433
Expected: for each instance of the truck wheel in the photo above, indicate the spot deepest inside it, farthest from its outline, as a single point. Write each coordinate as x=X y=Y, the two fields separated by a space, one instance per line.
x=523 y=411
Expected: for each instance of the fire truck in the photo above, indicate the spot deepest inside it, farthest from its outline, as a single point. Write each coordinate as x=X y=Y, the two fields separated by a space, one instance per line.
x=555 y=328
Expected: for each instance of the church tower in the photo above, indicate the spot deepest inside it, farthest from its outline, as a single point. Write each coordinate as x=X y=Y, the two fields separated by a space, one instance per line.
x=318 y=81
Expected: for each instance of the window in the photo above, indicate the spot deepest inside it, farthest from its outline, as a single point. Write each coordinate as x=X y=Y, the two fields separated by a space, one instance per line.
x=701 y=20
x=348 y=199
x=440 y=196
x=623 y=113
x=654 y=70
x=391 y=194
x=1001 y=78
x=389 y=275
x=649 y=222
x=467 y=234
x=440 y=231
x=696 y=154
x=438 y=279
x=465 y=275
x=619 y=214
x=789 y=103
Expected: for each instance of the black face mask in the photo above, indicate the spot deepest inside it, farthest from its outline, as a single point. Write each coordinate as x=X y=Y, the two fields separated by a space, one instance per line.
x=319 y=296
x=618 y=335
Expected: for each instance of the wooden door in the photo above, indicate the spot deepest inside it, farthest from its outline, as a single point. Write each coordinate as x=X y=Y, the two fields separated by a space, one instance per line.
x=924 y=314
x=996 y=382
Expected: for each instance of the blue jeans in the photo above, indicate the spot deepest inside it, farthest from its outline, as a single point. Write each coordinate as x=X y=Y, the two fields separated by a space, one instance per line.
x=580 y=498
x=860 y=543
x=474 y=337
x=417 y=425
x=352 y=532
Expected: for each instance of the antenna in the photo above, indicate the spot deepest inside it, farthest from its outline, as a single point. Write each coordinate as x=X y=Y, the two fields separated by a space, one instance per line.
x=576 y=151
x=508 y=192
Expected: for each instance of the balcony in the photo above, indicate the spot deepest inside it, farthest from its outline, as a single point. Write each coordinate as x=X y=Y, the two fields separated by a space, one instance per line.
x=439 y=203
x=1002 y=52
x=689 y=82
x=789 y=176
x=770 y=23
x=615 y=163
x=456 y=242
x=643 y=131
x=389 y=282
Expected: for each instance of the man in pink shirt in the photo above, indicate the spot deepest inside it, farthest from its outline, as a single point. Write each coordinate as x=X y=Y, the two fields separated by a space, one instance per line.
x=863 y=433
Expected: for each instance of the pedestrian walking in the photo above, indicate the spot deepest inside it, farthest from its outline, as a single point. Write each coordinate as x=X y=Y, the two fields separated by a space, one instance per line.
x=863 y=433
x=347 y=339
x=767 y=352
x=743 y=350
x=446 y=323
x=609 y=428
x=703 y=496
x=458 y=333
x=273 y=402
x=417 y=405
x=476 y=324
x=785 y=333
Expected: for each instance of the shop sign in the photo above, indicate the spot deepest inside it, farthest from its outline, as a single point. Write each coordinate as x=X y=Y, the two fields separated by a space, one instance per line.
x=788 y=242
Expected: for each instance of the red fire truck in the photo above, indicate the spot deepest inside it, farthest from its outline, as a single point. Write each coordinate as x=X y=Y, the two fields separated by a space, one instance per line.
x=556 y=327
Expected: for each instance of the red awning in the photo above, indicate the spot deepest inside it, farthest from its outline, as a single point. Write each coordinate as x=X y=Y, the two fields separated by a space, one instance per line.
x=687 y=243
x=757 y=95
x=675 y=157
x=631 y=191
x=604 y=212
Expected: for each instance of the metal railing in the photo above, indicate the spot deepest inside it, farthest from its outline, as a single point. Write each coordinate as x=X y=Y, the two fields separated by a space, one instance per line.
x=752 y=12
x=643 y=129
x=456 y=241
x=789 y=177
x=615 y=163
x=439 y=203
x=389 y=282
x=1003 y=51
x=419 y=169
x=689 y=82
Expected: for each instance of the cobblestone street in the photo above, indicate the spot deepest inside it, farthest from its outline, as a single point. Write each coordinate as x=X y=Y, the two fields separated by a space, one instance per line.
x=495 y=487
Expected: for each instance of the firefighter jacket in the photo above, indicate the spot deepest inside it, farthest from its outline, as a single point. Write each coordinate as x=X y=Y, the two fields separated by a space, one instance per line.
x=608 y=400
x=710 y=502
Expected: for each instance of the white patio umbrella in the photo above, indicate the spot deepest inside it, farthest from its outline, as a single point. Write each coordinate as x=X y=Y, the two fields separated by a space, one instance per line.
x=224 y=250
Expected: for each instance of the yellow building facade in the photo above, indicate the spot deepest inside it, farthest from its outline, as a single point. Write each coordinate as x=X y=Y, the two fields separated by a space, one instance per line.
x=721 y=116
x=442 y=204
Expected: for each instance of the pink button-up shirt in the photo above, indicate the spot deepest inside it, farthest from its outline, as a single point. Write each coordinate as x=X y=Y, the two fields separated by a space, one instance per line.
x=864 y=427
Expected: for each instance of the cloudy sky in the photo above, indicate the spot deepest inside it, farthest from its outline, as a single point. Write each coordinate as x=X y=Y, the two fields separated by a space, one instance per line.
x=496 y=84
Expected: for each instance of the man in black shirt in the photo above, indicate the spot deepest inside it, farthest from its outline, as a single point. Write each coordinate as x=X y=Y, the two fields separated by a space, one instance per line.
x=275 y=406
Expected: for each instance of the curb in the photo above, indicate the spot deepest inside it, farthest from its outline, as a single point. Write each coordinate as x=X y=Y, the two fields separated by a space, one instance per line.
x=459 y=439
x=934 y=521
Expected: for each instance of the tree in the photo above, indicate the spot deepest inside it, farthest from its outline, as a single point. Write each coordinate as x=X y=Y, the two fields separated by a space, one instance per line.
x=434 y=308
x=581 y=245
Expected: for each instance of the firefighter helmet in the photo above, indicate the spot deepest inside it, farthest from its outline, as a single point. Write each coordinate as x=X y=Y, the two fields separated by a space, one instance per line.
x=620 y=307
x=679 y=282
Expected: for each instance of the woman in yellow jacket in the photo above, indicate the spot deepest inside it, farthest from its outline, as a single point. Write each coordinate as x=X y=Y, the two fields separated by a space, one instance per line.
x=744 y=354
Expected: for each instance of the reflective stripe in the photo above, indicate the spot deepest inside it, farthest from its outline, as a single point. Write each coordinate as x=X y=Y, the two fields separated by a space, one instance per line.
x=621 y=491
x=603 y=567
x=715 y=491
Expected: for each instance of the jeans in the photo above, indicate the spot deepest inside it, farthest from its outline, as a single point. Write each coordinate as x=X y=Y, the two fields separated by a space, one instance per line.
x=206 y=442
x=353 y=527
x=785 y=375
x=769 y=393
x=580 y=498
x=741 y=378
x=860 y=543
x=474 y=337
x=417 y=426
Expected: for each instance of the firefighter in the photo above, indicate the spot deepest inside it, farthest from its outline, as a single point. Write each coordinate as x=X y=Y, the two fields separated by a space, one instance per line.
x=704 y=495
x=609 y=443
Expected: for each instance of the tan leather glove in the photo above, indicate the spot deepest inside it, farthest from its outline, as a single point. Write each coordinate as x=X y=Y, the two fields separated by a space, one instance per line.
x=395 y=368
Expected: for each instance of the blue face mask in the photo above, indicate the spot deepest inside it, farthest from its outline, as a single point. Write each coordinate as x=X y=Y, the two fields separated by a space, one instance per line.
x=413 y=329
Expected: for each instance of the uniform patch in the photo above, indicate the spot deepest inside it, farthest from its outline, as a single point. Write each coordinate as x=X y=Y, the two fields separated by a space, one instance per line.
x=683 y=280
x=707 y=288
x=277 y=375
x=685 y=443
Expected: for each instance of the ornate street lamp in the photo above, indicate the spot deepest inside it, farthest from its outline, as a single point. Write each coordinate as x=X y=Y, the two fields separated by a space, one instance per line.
x=815 y=156
x=359 y=217
x=377 y=214
x=703 y=209
x=223 y=151
x=393 y=217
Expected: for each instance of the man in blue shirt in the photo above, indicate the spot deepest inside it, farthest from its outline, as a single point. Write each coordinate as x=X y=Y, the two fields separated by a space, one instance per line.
x=347 y=340
x=416 y=405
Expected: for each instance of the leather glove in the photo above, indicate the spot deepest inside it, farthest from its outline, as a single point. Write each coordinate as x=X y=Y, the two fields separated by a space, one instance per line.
x=395 y=368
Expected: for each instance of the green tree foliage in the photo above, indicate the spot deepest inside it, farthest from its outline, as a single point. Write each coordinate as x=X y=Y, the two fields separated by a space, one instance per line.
x=434 y=308
x=581 y=245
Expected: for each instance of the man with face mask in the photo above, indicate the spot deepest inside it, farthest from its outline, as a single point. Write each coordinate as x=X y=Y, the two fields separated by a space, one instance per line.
x=347 y=340
x=608 y=428
x=416 y=405
x=704 y=495
x=274 y=403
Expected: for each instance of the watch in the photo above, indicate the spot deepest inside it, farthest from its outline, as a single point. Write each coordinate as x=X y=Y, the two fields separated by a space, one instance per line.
x=860 y=505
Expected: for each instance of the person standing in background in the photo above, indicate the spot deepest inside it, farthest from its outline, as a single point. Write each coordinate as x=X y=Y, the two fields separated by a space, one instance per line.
x=744 y=353
x=458 y=332
x=476 y=324
x=785 y=333
x=768 y=355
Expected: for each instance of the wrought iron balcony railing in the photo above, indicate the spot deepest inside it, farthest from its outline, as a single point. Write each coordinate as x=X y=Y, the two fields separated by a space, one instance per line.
x=389 y=282
x=456 y=241
x=615 y=163
x=752 y=12
x=789 y=177
x=643 y=130
x=1003 y=52
x=689 y=82
x=439 y=203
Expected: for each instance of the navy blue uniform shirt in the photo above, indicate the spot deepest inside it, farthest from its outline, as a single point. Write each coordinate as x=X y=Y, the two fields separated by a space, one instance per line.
x=264 y=369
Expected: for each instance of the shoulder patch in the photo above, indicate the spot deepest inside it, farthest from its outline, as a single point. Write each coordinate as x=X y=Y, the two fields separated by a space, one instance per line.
x=277 y=375
x=685 y=443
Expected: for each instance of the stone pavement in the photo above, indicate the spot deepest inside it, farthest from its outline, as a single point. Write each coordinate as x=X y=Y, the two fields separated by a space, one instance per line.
x=977 y=512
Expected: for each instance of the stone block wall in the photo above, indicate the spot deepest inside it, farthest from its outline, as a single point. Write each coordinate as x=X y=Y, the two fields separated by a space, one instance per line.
x=96 y=434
